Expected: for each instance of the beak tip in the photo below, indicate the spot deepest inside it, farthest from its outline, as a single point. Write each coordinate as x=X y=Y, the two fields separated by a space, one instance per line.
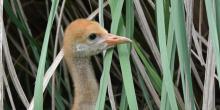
x=130 y=41
x=126 y=39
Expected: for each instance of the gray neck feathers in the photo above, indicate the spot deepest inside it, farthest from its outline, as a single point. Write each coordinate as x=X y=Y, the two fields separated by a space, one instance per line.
x=85 y=84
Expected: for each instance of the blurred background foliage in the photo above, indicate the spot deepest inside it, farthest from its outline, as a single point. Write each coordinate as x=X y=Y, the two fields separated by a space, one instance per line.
x=157 y=46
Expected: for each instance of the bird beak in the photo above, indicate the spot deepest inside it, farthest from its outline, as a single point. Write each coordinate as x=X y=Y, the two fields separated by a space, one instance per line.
x=112 y=39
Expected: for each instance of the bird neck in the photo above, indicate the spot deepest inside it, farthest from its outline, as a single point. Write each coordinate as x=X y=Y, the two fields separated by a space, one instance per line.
x=85 y=84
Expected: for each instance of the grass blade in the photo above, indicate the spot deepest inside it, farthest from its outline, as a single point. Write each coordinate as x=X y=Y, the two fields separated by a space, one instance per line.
x=116 y=12
x=151 y=71
x=147 y=80
x=12 y=71
x=104 y=80
x=123 y=52
x=1 y=66
x=48 y=74
x=7 y=88
x=167 y=78
x=145 y=92
x=212 y=21
x=217 y=3
x=147 y=32
x=209 y=87
x=101 y=19
x=123 y=102
x=38 y=90
x=22 y=28
x=124 y=55
x=184 y=58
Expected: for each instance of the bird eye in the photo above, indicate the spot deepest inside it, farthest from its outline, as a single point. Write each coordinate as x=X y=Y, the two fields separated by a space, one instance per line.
x=92 y=37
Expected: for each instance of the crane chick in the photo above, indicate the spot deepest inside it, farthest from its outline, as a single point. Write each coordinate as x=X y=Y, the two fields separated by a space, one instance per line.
x=83 y=39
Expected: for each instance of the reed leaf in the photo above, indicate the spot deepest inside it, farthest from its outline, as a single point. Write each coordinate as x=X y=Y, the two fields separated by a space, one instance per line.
x=38 y=90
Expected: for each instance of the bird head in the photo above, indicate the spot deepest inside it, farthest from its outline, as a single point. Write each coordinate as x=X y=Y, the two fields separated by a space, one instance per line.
x=85 y=38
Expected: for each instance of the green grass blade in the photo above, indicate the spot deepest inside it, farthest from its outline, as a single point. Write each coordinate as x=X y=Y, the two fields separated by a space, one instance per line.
x=217 y=3
x=129 y=18
x=108 y=57
x=123 y=102
x=124 y=54
x=101 y=19
x=167 y=78
x=38 y=90
x=58 y=98
x=146 y=78
x=181 y=39
x=104 y=80
x=213 y=22
x=145 y=92
x=116 y=8
x=171 y=48
x=153 y=75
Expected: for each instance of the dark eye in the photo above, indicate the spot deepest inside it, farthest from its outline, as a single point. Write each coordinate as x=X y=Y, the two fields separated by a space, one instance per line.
x=92 y=37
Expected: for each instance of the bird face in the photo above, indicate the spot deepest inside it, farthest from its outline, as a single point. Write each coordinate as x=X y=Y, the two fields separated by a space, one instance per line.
x=85 y=38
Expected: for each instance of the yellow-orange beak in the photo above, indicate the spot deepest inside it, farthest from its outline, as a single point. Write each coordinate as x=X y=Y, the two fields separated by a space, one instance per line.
x=112 y=39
